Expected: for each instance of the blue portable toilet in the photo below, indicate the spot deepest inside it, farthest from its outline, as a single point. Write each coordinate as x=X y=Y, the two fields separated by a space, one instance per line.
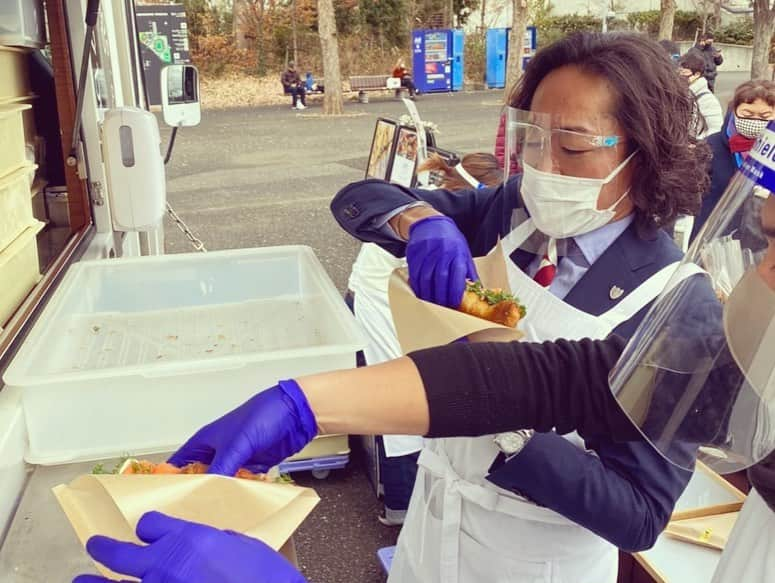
x=437 y=60
x=496 y=51
x=497 y=54
x=458 y=58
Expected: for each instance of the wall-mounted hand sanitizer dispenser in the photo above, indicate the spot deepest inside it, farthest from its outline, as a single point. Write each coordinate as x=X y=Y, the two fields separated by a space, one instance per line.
x=135 y=169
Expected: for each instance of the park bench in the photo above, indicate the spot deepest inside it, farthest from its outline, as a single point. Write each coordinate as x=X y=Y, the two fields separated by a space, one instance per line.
x=309 y=81
x=364 y=83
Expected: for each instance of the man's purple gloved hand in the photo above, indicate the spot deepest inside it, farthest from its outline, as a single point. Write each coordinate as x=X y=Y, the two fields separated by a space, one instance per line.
x=262 y=432
x=439 y=261
x=185 y=552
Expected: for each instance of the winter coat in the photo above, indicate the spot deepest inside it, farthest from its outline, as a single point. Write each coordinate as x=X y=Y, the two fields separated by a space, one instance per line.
x=708 y=108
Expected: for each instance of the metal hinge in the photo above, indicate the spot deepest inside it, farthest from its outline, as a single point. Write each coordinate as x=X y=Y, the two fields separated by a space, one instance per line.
x=95 y=188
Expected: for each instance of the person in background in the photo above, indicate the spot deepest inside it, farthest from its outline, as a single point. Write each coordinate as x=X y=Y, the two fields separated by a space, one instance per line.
x=500 y=146
x=311 y=85
x=712 y=57
x=672 y=49
x=604 y=169
x=751 y=108
x=401 y=72
x=708 y=110
x=293 y=84
x=477 y=170
x=368 y=298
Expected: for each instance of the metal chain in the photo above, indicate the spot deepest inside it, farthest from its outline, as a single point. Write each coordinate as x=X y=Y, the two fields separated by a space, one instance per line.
x=184 y=228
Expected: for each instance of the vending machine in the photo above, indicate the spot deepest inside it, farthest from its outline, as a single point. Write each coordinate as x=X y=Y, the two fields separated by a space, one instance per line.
x=437 y=59
x=497 y=53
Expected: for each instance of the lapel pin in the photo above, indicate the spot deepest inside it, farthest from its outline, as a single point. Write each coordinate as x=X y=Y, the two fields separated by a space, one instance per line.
x=616 y=292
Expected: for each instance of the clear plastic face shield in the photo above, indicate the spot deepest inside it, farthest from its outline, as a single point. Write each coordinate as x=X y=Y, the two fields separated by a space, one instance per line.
x=698 y=376
x=575 y=146
x=571 y=169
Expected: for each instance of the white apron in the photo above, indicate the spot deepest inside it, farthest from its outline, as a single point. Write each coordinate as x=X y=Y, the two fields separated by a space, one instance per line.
x=369 y=280
x=749 y=555
x=460 y=528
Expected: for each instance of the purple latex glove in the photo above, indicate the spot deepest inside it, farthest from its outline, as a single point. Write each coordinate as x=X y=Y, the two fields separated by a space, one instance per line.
x=185 y=552
x=439 y=261
x=262 y=432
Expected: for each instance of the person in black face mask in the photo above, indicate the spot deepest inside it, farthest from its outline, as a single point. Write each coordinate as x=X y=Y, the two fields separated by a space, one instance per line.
x=712 y=57
x=752 y=106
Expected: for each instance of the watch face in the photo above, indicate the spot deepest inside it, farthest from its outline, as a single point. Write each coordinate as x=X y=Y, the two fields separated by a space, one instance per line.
x=510 y=442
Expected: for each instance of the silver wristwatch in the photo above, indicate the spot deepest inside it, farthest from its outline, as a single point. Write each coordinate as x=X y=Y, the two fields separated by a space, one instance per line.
x=513 y=442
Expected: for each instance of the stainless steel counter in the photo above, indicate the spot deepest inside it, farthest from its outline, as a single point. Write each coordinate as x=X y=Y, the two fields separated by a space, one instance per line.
x=41 y=546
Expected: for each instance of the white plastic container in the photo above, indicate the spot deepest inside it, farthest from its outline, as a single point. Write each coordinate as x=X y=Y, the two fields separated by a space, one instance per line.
x=13 y=439
x=19 y=270
x=22 y=23
x=13 y=72
x=133 y=355
x=15 y=204
x=13 y=150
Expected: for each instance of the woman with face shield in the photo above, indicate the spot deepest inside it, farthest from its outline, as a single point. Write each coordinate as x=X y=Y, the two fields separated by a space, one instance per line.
x=607 y=162
x=751 y=108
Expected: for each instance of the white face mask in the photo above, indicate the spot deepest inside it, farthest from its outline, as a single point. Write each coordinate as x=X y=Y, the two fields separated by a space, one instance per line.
x=566 y=206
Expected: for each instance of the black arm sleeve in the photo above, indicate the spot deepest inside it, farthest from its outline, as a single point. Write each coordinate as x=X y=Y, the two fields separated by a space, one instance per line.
x=482 y=388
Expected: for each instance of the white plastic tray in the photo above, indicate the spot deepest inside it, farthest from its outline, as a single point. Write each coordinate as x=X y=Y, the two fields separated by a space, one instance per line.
x=133 y=355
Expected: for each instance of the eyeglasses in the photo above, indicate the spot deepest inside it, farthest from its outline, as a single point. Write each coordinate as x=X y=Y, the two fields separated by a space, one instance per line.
x=570 y=150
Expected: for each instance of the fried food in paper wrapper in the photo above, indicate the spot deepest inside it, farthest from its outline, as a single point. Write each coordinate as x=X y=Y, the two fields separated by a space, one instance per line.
x=420 y=324
x=111 y=505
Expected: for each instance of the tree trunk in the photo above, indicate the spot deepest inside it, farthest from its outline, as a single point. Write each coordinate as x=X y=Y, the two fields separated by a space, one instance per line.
x=516 y=41
x=238 y=24
x=763 y=29
x=293 y=34
x=666 y=20
x=332 y=101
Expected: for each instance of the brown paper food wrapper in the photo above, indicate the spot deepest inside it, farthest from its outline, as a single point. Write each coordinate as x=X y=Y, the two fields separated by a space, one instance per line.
x=111 y=505
x=707 y=531
x=420 y=324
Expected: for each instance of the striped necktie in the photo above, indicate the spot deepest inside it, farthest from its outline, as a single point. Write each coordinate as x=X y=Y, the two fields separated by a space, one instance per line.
x=547 y=269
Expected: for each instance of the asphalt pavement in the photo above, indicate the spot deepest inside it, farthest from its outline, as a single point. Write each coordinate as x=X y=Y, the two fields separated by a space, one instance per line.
x=265 y=176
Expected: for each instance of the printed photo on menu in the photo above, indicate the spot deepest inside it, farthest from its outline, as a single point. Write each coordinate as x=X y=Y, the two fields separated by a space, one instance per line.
x=405 y=159
x=381 y=147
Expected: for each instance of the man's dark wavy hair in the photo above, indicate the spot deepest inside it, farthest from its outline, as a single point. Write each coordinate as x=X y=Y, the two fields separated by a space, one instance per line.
x=654 y=106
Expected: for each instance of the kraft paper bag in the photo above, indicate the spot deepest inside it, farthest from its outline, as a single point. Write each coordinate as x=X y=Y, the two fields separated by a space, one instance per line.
x=111 y=505
x=420 y=324
x=706 y=531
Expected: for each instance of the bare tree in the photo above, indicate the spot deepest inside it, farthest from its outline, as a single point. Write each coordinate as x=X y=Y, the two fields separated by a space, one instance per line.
x=763 y=29
x=238 y=25
x=332 y=101
x=251 y=19
x=666 y=20
x=707 y=9
x=294 y=38
x=516 y=43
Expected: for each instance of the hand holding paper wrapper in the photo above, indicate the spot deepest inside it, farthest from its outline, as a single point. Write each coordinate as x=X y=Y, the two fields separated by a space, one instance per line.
x=423 y=324
x=179 y=550
x=112 y=505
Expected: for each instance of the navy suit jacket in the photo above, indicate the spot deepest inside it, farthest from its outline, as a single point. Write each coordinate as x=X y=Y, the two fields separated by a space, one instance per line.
x=624 y=492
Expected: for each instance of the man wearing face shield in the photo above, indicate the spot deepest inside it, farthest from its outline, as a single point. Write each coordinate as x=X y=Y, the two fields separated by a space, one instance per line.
x=605 y=165
x=720 y=397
